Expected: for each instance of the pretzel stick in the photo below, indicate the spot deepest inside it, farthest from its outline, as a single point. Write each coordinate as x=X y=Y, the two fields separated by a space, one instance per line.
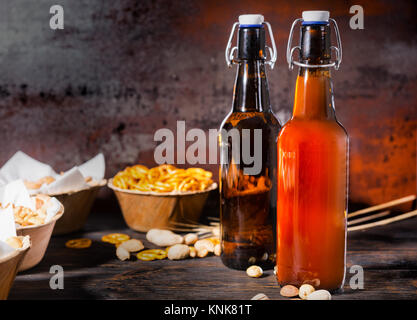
x=371 y=217
x=384 y=221
x=383 y=206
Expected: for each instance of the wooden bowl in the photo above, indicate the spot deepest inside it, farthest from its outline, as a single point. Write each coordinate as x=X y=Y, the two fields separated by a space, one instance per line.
x=77 y=206
x=143 y=211
x=9 y=265
x=39 y=235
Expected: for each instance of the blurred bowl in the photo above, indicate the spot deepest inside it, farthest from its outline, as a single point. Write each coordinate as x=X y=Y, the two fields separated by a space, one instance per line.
x=39 y=236
x=9 y=265
x=143 y=211
x=77 y=206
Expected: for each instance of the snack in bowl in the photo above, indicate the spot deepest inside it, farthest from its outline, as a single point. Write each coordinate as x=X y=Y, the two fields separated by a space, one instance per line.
x=13 y=249
x=14 y=242
x=164 y=178
x=161 y=196
x=38 y=224
x=34 y=185
x=76 y=188
x=27 y=217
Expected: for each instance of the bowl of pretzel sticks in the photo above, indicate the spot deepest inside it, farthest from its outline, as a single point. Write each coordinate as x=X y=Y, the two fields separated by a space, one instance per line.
x=162 y=196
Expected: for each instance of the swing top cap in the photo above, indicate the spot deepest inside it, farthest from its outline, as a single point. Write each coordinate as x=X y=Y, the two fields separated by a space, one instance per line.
x=316 y=16
x=251 y=19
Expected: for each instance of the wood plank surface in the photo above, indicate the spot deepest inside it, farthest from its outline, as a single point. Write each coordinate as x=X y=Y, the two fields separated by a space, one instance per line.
x=388 y=255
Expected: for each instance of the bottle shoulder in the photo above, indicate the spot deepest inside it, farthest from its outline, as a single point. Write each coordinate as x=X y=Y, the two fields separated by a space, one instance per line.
x=313 y=130
x=250 y=119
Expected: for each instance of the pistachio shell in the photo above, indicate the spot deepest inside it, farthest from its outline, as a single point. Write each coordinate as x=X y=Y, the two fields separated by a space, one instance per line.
x=320 y=295
x=305 y=290
x=289 y=291
x=254 y=271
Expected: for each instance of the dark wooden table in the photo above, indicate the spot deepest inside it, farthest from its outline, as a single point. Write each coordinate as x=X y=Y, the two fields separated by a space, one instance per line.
x=388 y=255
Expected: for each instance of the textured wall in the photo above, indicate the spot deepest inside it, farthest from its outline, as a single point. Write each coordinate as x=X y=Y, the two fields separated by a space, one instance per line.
x=122 y=69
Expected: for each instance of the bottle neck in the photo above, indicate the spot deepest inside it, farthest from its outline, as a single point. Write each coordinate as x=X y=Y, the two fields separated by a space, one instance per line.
x=314 y=89
x=250 y=92
x=251 y=87
x=314 y=94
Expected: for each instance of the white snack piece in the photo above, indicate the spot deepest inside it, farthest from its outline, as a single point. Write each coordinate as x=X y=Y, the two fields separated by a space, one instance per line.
x=178 y=252
x=190 y=238
x=204 y=244
x=122 y=253
x=320 y=295
x=305 y=290
x=163 y=238
x=260 y=296
x=254 y=271
x=132 y=245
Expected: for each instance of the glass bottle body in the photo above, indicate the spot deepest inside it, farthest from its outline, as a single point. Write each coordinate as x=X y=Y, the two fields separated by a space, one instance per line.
x=312 y=188
x=248 y=198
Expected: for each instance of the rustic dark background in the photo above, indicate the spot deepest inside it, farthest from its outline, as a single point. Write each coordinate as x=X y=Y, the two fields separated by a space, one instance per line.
x=122 y=69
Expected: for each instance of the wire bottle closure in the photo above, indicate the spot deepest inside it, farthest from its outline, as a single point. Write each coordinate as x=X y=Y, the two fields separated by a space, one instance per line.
x=229 y=52
x=290 y=51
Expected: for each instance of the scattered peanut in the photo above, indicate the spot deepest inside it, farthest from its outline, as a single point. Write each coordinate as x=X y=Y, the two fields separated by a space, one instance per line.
x=178 y=252
x=202 y=252
x=190 y=238
x=217 y=249
x=305 y=290
x=260 y=296
x=163 y=238
x=122 y=253
x=254 y=271
x=320 y=295
x=193 y=252
x=132 y=245
x=289 y=291
x=205 y=243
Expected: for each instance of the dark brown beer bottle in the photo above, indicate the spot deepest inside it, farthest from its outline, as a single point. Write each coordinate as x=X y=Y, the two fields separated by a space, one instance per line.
x=248 y=156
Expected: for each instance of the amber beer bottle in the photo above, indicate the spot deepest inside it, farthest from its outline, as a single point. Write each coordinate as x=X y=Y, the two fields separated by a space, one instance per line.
x=312 y=168
x=248 y=197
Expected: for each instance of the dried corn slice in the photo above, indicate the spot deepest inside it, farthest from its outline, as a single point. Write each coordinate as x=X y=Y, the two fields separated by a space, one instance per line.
x=152 y=254
x=115 y=238
x=146 y=256
x=81 y=243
